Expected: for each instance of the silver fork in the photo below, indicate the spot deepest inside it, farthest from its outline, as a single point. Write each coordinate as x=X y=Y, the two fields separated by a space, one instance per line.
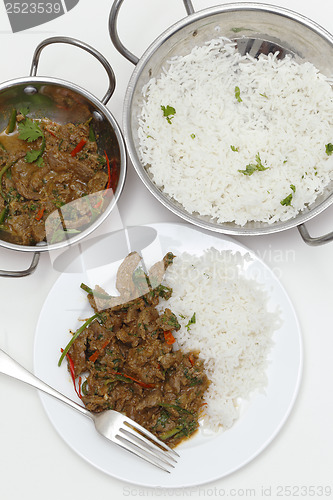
x=111 y=424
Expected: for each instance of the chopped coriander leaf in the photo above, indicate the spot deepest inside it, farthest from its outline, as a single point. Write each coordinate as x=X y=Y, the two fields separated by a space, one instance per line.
x=260 y=166
x=191 y=322
x=238 y=30
x=292 y=187
x=264 y=95
x=101 y=159
x=252 y=167
x=163 y=291
x=29 y=130
x=24 y=111
x=168 y=112
x=329 y=149
x=36 y=154
x=287 y=200
x=193 y=136
x=233 y=148
x=32 y=155
x=237 y=94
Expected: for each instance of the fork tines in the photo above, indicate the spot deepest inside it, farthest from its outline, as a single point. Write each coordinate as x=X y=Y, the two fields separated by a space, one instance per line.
x=136 y=439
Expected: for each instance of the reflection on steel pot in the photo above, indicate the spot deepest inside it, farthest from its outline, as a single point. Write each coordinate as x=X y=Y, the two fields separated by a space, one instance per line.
x=63 y=103
x=257 y=29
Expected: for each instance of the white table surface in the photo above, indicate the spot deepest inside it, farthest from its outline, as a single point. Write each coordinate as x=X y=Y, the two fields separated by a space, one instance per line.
x=34 y=462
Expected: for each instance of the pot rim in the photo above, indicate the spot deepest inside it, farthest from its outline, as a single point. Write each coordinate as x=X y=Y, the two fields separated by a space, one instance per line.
x=226 y=228
x=33 y=80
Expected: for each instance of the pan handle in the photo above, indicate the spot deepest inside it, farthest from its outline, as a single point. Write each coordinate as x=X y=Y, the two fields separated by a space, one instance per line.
x=24 y=272
x=84 y=46
x=314 y=241
x=189 y=7
x=113 y=18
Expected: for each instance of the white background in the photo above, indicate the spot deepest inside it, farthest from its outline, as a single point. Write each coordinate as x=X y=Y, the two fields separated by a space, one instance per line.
x=34 y=461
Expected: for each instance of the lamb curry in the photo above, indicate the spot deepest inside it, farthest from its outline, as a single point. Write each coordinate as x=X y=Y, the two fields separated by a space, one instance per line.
x=45 y=166
x=125 y=354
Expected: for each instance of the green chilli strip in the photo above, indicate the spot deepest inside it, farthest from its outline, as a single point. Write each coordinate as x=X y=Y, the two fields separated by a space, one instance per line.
x=75 y=335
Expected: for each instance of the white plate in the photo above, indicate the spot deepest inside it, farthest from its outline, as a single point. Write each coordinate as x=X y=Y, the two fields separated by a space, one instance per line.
x=218 y=455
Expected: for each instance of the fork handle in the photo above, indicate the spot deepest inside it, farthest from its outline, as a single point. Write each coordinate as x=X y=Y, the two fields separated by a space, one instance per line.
x=10 y=367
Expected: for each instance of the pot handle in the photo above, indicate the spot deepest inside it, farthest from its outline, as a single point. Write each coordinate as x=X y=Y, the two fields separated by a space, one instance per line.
x=84 y=46
x=314 y=241
x=113 y=18
x=24 y=272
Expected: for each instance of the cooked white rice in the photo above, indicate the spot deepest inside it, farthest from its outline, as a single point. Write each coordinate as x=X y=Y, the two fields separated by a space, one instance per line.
x=283 y=113
x=233 y=327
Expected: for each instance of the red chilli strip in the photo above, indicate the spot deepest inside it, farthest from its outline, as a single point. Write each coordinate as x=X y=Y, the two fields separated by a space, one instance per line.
x=50 y=132
x=40 y=213
x=192 y=360
x=112 y=174
x=143 y=384
x=78 y=147
x=80 y=383
x=96 y=354
x=169 y=338
x=72 y=372
x=109 y=171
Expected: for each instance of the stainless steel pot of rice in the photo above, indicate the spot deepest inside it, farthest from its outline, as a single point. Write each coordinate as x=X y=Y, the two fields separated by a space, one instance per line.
x=256 y=29
x=64 y=103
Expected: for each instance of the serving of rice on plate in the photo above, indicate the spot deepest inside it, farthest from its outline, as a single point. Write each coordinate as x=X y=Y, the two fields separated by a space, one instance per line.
x=226 y=317
x=237 y=138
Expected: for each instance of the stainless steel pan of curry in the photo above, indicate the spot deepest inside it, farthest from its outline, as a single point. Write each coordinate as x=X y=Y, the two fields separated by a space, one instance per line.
x=62 y=160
